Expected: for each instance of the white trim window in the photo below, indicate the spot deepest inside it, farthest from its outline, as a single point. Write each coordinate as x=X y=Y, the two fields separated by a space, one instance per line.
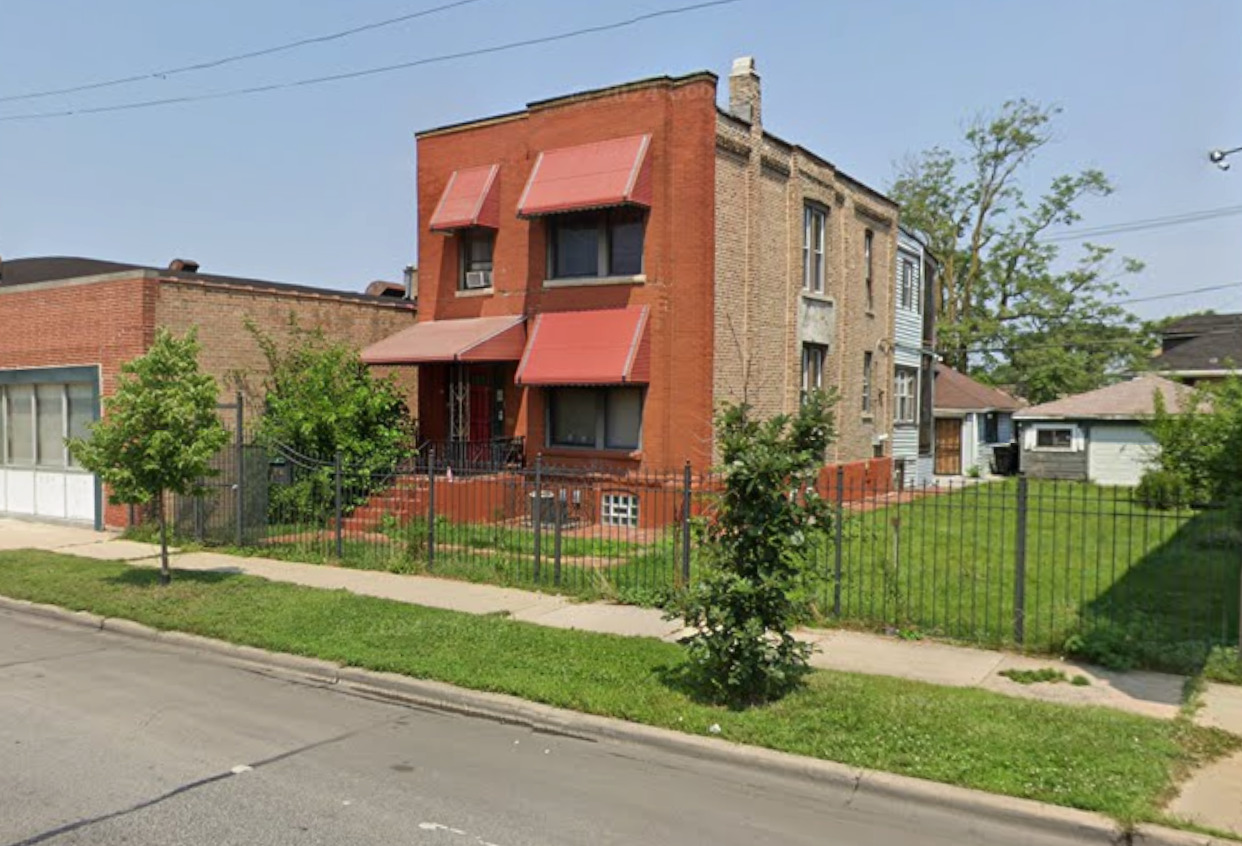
x=868 y=360
x=619 y=509
x=909 y=286
x=905 y=379
x=814 y=228
x=1053 y=438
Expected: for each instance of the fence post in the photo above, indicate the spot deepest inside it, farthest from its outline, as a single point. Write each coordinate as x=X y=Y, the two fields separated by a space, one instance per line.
x=556 y=542
x=340 y=517
x=687 y=481
x=838 y=536
x=241 y=470
x=1019 y=574
x=536 y=512
x=431 y=507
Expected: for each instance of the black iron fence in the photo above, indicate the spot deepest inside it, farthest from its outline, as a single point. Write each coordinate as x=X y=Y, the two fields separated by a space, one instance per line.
x=1038 y=564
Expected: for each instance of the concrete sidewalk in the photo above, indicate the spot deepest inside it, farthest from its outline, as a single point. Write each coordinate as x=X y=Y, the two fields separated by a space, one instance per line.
x=1213 y=797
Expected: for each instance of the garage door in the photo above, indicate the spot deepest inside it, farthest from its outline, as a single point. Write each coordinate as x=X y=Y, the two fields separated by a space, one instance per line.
x=39 y=409
x=1118 y=454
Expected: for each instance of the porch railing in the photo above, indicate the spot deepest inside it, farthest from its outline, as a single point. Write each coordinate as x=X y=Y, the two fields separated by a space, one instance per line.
x=473 y=456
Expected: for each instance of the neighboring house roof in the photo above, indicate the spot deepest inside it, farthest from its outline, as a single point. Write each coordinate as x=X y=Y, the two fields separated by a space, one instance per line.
x=28 y=271
x=955 y=391
x=1204 y=343
x=1131 y=400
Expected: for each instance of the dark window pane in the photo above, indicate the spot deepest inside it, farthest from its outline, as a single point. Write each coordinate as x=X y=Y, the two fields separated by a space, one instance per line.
x=624 y=423
x=573 y=416
x=626 y=242
x=575 y=245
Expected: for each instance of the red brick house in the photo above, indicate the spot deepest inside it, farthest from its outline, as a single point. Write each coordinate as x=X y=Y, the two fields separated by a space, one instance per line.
x=598 y=271
x=68 y=324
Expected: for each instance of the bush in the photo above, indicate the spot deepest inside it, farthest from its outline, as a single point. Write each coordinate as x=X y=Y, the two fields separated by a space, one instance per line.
x=1137 y=644
x=757 y=550
x=1163 y=490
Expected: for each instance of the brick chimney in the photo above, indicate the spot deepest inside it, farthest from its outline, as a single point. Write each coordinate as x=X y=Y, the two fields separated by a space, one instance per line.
x=744 y=91
x=183 y=266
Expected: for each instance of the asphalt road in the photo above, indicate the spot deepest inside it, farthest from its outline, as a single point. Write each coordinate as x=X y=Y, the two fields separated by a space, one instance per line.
x=108 y=740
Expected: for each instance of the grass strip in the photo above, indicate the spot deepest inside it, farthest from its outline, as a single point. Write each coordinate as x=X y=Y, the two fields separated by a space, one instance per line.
x=1096 y=759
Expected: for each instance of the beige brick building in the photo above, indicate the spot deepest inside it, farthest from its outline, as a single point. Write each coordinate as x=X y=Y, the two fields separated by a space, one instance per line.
x=804 y=258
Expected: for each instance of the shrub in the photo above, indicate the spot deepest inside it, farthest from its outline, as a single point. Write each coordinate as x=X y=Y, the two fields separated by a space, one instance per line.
x=756 y=553
x=1163 y=490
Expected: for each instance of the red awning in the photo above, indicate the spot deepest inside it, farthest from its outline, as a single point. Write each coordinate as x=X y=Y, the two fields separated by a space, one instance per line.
x=471 y=339
x=607 y=173
x=608 y=347
x=471 y=198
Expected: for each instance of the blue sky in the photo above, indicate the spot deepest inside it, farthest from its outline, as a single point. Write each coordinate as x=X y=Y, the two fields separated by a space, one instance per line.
x=316 y=185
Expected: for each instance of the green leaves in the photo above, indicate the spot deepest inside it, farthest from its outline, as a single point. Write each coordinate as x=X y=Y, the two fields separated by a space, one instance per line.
x=758 y=548
x=1201 y=442
x=160 y=429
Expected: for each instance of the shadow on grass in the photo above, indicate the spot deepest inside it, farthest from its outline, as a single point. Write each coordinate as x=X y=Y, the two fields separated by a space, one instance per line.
x=143 y=577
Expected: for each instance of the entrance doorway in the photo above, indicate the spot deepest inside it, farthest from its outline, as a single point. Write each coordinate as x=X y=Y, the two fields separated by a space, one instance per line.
x=948 y=446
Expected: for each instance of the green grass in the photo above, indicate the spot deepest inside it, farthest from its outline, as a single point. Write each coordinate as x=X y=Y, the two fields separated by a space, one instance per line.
x=1045 y=674
x=1091 y=758
x=1163 y=584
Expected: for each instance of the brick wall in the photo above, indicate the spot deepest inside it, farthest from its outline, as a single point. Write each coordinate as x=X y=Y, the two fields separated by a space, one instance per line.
x=679 y=114
x=762 y=186
x=229 y=350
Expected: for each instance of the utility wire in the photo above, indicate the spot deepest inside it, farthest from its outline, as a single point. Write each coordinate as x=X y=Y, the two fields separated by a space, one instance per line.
x=1176 y=294
x=1144 y=225
x=1100 y=343
x=446 y=57
x=240 y=57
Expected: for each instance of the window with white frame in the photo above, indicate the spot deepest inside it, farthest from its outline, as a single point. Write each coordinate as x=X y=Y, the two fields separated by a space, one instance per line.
x=595 y=418
x=905 y=381
x=909 y=286
x=1054 y=437
x=866 y=383
x=36 y=420
x=813 y=359
x=618 y=509
x=814 y=227
x=596 y=243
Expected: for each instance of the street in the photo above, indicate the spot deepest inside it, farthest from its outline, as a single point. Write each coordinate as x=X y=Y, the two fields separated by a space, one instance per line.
x=109 y=740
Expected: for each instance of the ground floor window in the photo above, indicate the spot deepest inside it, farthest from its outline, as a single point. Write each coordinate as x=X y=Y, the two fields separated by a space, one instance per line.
x=1058 y=438
x=813 y=357
x=906 y=378
x=618 y=510
x=35 y=421
x=598 y=418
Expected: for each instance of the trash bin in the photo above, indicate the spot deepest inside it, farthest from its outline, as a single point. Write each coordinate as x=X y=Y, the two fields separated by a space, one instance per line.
x=1005 y=459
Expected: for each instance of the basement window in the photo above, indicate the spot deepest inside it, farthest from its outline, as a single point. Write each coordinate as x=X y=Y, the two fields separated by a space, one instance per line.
x=619 y=510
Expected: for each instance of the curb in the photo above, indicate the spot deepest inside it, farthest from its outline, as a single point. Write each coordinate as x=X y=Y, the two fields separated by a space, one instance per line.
x=858 y=783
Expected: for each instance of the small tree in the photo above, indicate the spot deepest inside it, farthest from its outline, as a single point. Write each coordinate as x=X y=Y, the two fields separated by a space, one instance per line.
x=1200 y=442
x=320 y=400
x=159 y=431
x=757 y=547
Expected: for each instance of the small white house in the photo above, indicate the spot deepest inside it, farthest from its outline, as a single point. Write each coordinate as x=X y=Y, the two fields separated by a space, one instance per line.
x=1099 y=436
x=972 y=421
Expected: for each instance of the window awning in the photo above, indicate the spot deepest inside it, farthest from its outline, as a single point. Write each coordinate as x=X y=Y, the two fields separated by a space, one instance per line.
x=606 y=173
x=608 y=347
x=471 y=198
x=470 y=339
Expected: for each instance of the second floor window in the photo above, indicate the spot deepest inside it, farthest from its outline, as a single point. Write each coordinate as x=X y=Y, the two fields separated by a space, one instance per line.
x=909 y=294
x=596 y=243
x=905 y=380
x=813 y=358
x=868 y=268
x=475 y=247
x=814 y=224
x=866 y=383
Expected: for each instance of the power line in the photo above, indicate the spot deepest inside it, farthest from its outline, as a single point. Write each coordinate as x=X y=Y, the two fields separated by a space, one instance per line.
x=1144 y=225
x=1176 y=294
x=239 y=57
x=1100 y=343
x=319 y=80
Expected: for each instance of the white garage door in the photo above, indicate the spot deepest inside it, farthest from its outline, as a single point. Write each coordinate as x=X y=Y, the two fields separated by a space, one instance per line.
x=38 y=477
x=1118 y=454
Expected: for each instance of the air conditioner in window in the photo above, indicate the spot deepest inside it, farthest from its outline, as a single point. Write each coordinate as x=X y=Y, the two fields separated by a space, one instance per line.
x=476 y=279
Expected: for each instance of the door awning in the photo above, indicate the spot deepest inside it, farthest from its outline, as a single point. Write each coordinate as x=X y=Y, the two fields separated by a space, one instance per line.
x=607 y=347
x=470 y=339
x=471 y=198
x=606 y=173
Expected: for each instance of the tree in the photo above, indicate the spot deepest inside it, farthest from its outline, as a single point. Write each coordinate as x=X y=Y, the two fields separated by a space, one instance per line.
x=1201 y=442
x=159 y=431
x=758 y=546
x=321 y=400
x=1009 y=307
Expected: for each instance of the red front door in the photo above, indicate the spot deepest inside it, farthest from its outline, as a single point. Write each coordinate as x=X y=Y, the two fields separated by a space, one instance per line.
x=480 y=422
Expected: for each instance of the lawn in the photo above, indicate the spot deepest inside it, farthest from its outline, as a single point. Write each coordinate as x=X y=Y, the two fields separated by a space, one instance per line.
x=1095 y=561
x=1091 y=758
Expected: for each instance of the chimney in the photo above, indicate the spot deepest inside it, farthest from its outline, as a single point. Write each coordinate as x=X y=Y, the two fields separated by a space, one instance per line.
x=411 y=282
x=744 y=90
x=183 y=266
